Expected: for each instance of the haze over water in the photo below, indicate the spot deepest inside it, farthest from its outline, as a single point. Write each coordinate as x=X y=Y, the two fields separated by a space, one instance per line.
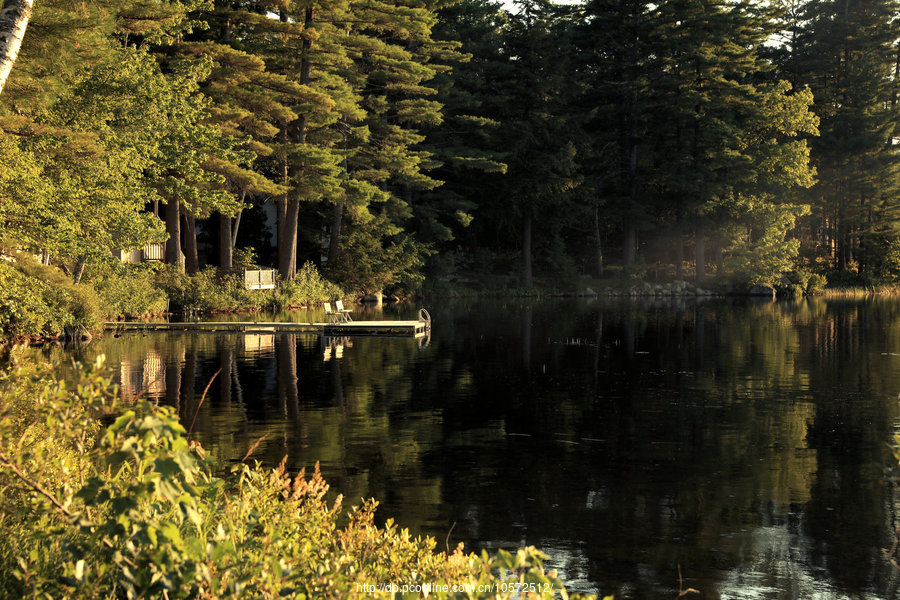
x=745 y=442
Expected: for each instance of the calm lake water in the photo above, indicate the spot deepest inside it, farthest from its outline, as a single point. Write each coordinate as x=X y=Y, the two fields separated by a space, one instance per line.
x=746 y=442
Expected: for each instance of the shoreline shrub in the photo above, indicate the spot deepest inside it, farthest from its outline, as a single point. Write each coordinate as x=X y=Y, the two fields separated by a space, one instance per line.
x=41 y=300
x=207 y=291
x=130 y=292
x=307 y=287
x=135 y=510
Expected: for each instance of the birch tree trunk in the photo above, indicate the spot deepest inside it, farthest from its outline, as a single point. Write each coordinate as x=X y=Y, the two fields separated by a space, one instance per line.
x=13 y=20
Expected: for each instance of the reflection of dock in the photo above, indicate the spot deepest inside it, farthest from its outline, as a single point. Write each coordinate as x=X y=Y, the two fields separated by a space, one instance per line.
x=352 y=328
x=334 y=346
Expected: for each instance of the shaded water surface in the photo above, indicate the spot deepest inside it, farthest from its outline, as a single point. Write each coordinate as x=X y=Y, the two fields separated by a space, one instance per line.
x=744 y=442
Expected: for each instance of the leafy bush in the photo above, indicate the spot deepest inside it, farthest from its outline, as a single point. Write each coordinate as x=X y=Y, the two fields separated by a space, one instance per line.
x=763 y=257
x=37 y=299
x=207 y=291
x=308 y=287
x=371 y=262
x=136 y=511
x=131 y=292
x=245 y=257
x=816 y=284
x=800 y=281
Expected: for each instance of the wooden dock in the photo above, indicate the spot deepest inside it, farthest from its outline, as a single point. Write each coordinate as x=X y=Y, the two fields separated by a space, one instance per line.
x=351 y=328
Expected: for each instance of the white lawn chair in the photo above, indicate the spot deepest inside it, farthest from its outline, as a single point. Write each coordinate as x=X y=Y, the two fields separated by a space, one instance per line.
x=331 y=315
x=343 y=312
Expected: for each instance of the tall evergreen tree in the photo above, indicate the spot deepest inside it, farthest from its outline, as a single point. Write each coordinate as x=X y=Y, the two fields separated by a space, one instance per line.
x=249 y=102
x=846 y=51
x=395 y=58
x=468 y=143
x=536 y=131
x=704 y=141
x=614 y=60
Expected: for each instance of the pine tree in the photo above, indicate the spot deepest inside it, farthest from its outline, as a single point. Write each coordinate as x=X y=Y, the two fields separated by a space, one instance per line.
x=467 y=144
x=537 y=129
x=615 y=61
x=395 y=57
x=730 y=139
x=307 y=51
x=846 y=52
x=249 y=102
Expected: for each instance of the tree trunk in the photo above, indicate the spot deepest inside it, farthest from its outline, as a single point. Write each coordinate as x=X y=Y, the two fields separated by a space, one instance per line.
x=526 y=249
x=337 y=217
x=234 y=231
x=225 y=254
x=287 y=241
x=719 y=256
x=13 y=20
x=192 y=261
x=288 y=228
x=628 y=244
x=228 y=236
x=843 y=251
x=78 y=272
x=679 y=254
x=334 y=244
x=173 y=228
x=598 y=240
x=700 y=255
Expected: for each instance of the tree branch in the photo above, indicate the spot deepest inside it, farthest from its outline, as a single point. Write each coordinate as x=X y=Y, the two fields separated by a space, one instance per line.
x=34 y=485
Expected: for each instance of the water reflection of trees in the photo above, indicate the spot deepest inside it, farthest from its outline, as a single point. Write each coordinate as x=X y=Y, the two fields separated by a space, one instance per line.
x=683 y=451
x=742 y=441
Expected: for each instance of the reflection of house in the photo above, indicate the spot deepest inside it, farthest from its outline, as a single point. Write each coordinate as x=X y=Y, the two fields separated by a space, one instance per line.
x=259 y=343
x=153 y=252
x=147 y=378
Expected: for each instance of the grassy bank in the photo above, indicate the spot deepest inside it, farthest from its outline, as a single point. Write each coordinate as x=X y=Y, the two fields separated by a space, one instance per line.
x=134 y=509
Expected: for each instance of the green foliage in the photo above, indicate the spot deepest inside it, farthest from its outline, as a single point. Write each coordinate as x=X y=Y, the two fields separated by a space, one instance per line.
x=676 y=117
x=846 y=54
x=760 y=250
x=816 y=284
x=806 y=283
x=307 y=287
x=37 y=299
x=207 y=291
x=245 y=257
x=370 y=261
x=136 y=511
x=636 y=273
x=130 y=292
